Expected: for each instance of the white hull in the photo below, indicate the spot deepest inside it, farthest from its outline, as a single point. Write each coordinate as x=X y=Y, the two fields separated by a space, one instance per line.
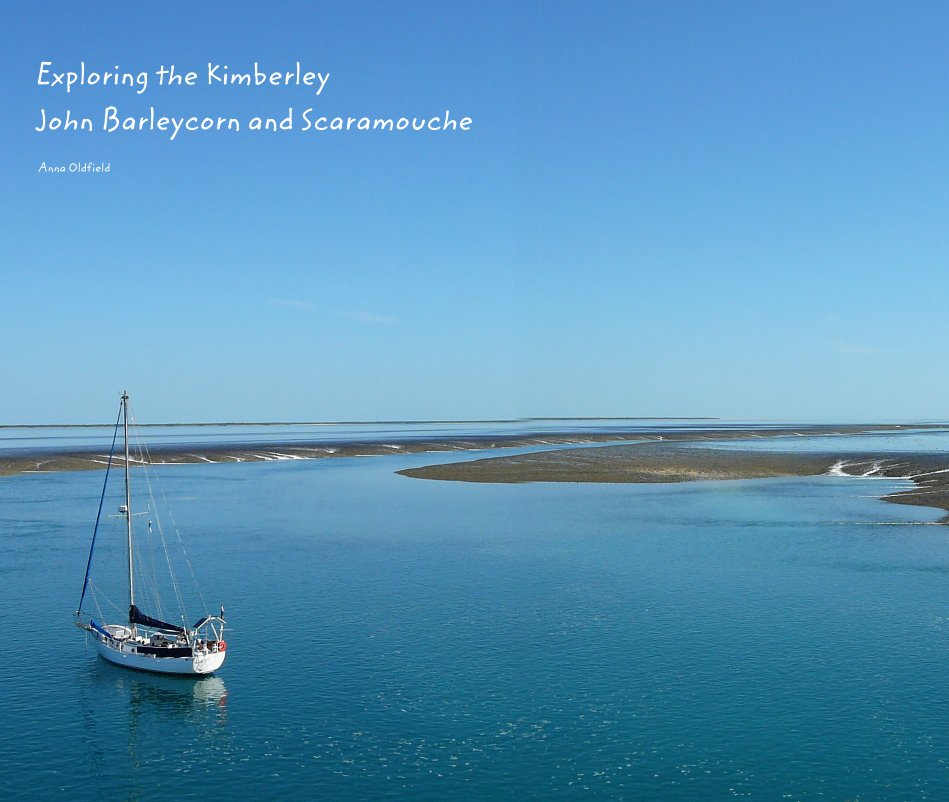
x=122 y=654
x=159 y=647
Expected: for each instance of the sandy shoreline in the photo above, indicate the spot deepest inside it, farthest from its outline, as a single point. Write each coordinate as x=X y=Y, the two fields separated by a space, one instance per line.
x=671 y=462
x=88 y=458
x=55 y=460
x=658 y=456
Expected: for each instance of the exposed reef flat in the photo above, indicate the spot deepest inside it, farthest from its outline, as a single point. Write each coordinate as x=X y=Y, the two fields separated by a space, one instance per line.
x=63 y=459
x=672 y=462
x=661 y=455
x=53 y=460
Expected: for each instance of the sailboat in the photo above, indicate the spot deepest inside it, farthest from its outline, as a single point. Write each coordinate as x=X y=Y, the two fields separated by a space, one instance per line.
x=142 y=641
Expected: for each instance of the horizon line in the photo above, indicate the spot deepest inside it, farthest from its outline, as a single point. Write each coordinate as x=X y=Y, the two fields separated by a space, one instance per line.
x=352 y=422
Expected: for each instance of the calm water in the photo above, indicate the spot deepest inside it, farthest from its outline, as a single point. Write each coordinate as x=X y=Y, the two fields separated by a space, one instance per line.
x=401 y=639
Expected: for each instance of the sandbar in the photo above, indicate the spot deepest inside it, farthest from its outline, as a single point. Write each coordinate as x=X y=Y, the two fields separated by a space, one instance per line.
x=677 y=462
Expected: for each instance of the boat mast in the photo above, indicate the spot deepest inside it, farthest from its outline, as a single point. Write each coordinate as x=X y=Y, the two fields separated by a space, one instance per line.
x=128 y=497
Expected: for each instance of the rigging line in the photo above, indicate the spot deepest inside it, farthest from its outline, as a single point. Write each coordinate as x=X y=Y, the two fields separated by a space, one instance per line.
x=161 y=489
x=147 y=568
x=95 y=597
x=147 y=461
x=85 y=581
x=150 y=576
x=171 y=573
x=150 y=597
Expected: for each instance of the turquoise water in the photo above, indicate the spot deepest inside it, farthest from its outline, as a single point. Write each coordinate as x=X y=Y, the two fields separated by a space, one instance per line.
x=395 y=638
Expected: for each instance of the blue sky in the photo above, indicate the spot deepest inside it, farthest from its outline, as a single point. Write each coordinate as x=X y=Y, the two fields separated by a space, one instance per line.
x=685 y=208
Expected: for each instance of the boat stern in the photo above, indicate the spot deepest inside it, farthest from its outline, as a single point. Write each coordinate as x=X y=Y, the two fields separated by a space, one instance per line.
x=208 y=662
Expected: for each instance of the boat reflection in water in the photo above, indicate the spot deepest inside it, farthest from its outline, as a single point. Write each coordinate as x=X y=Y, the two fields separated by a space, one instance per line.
x=165 y=721
x=159 y=697
x=177 y=698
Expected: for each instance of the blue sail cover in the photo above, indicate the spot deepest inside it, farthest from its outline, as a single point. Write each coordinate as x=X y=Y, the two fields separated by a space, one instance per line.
x=136 y=616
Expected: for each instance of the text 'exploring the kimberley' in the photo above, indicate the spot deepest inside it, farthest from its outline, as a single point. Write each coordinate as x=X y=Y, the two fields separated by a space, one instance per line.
x=123 y=115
